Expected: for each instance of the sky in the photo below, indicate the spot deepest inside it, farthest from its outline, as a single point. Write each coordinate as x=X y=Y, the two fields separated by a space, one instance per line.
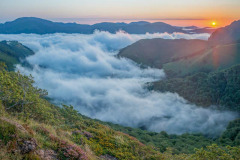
x=90 y=11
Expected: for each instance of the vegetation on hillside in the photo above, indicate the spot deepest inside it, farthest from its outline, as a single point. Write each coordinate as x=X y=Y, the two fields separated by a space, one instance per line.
x=156 y=52
x=13 y=52
x=220 y=88
x=181 y=57
x=185 y=143
x=205 y=76
x=226 y=35
x=33 y=128
x=209 y=60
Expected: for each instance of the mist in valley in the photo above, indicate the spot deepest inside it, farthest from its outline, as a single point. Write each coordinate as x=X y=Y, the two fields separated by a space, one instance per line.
x=83 y=71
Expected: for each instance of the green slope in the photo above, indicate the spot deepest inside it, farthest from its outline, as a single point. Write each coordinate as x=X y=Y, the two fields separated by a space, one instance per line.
x=216 y=88
x=13 y=52
x=212 y=59
x=156 y=52
x=226 y=35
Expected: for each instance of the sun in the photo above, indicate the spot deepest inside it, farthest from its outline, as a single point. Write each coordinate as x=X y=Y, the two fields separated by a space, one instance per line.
x=214 y=23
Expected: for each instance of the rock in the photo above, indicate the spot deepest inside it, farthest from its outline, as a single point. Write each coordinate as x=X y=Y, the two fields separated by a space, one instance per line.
x=77 y=132
x=47 y=154
x=27 y=146
x=107 y=157
x=71 y=151
x=87 y=134
x=18 y=126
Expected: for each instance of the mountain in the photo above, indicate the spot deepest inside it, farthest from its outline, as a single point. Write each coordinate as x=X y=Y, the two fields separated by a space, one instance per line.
x=195 y=29
x=110 y=27
x=145 y=27
x=156 y=52
x=41 y=26
x=205 y=73
x=226 y=35
x=186 y=57
x=207 y=60
x=189 y=27
x=13 y=52
x=203 y=30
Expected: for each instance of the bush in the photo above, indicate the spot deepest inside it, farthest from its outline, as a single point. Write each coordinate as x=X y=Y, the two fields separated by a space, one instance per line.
x=7 y=131
x=214 y=152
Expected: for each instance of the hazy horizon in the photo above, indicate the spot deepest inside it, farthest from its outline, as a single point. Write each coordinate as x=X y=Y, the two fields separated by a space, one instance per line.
x=91 y=21
x=181 y=13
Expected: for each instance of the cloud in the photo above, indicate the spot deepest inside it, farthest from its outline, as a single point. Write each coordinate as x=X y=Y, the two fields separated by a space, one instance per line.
x=82 y=70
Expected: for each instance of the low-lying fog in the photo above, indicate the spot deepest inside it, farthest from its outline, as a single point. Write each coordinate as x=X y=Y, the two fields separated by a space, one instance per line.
x=82 y=70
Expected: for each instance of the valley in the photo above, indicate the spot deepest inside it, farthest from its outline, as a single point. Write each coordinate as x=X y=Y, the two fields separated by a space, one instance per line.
x=119 y=96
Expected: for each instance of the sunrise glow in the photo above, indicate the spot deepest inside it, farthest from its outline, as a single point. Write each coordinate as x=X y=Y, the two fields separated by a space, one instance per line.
x=175 y=12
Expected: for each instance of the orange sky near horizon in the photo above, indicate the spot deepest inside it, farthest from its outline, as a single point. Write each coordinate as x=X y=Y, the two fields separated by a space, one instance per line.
x=202 y=12
x=174 y=22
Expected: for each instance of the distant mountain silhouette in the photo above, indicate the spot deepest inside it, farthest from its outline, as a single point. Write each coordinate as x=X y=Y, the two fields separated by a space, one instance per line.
x=195 y=29
x=42 y=26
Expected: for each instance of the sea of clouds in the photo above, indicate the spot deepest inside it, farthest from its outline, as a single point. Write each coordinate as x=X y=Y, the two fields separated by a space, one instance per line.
x=83 y=70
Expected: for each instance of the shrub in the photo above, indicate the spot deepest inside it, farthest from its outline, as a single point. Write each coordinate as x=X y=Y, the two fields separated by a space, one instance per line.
x=7 y=131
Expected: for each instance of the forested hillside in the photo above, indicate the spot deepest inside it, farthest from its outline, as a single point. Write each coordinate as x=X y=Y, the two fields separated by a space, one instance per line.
x=226 y=35
x=13 y=52
x=182 y=57
x=156 y=52
x=221 y=88
x=208 y=60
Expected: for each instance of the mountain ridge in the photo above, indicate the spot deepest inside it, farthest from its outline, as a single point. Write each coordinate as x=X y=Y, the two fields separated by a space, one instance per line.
x=200 y=76
x=41 y=26
x=226 y=35
x=224 y=42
